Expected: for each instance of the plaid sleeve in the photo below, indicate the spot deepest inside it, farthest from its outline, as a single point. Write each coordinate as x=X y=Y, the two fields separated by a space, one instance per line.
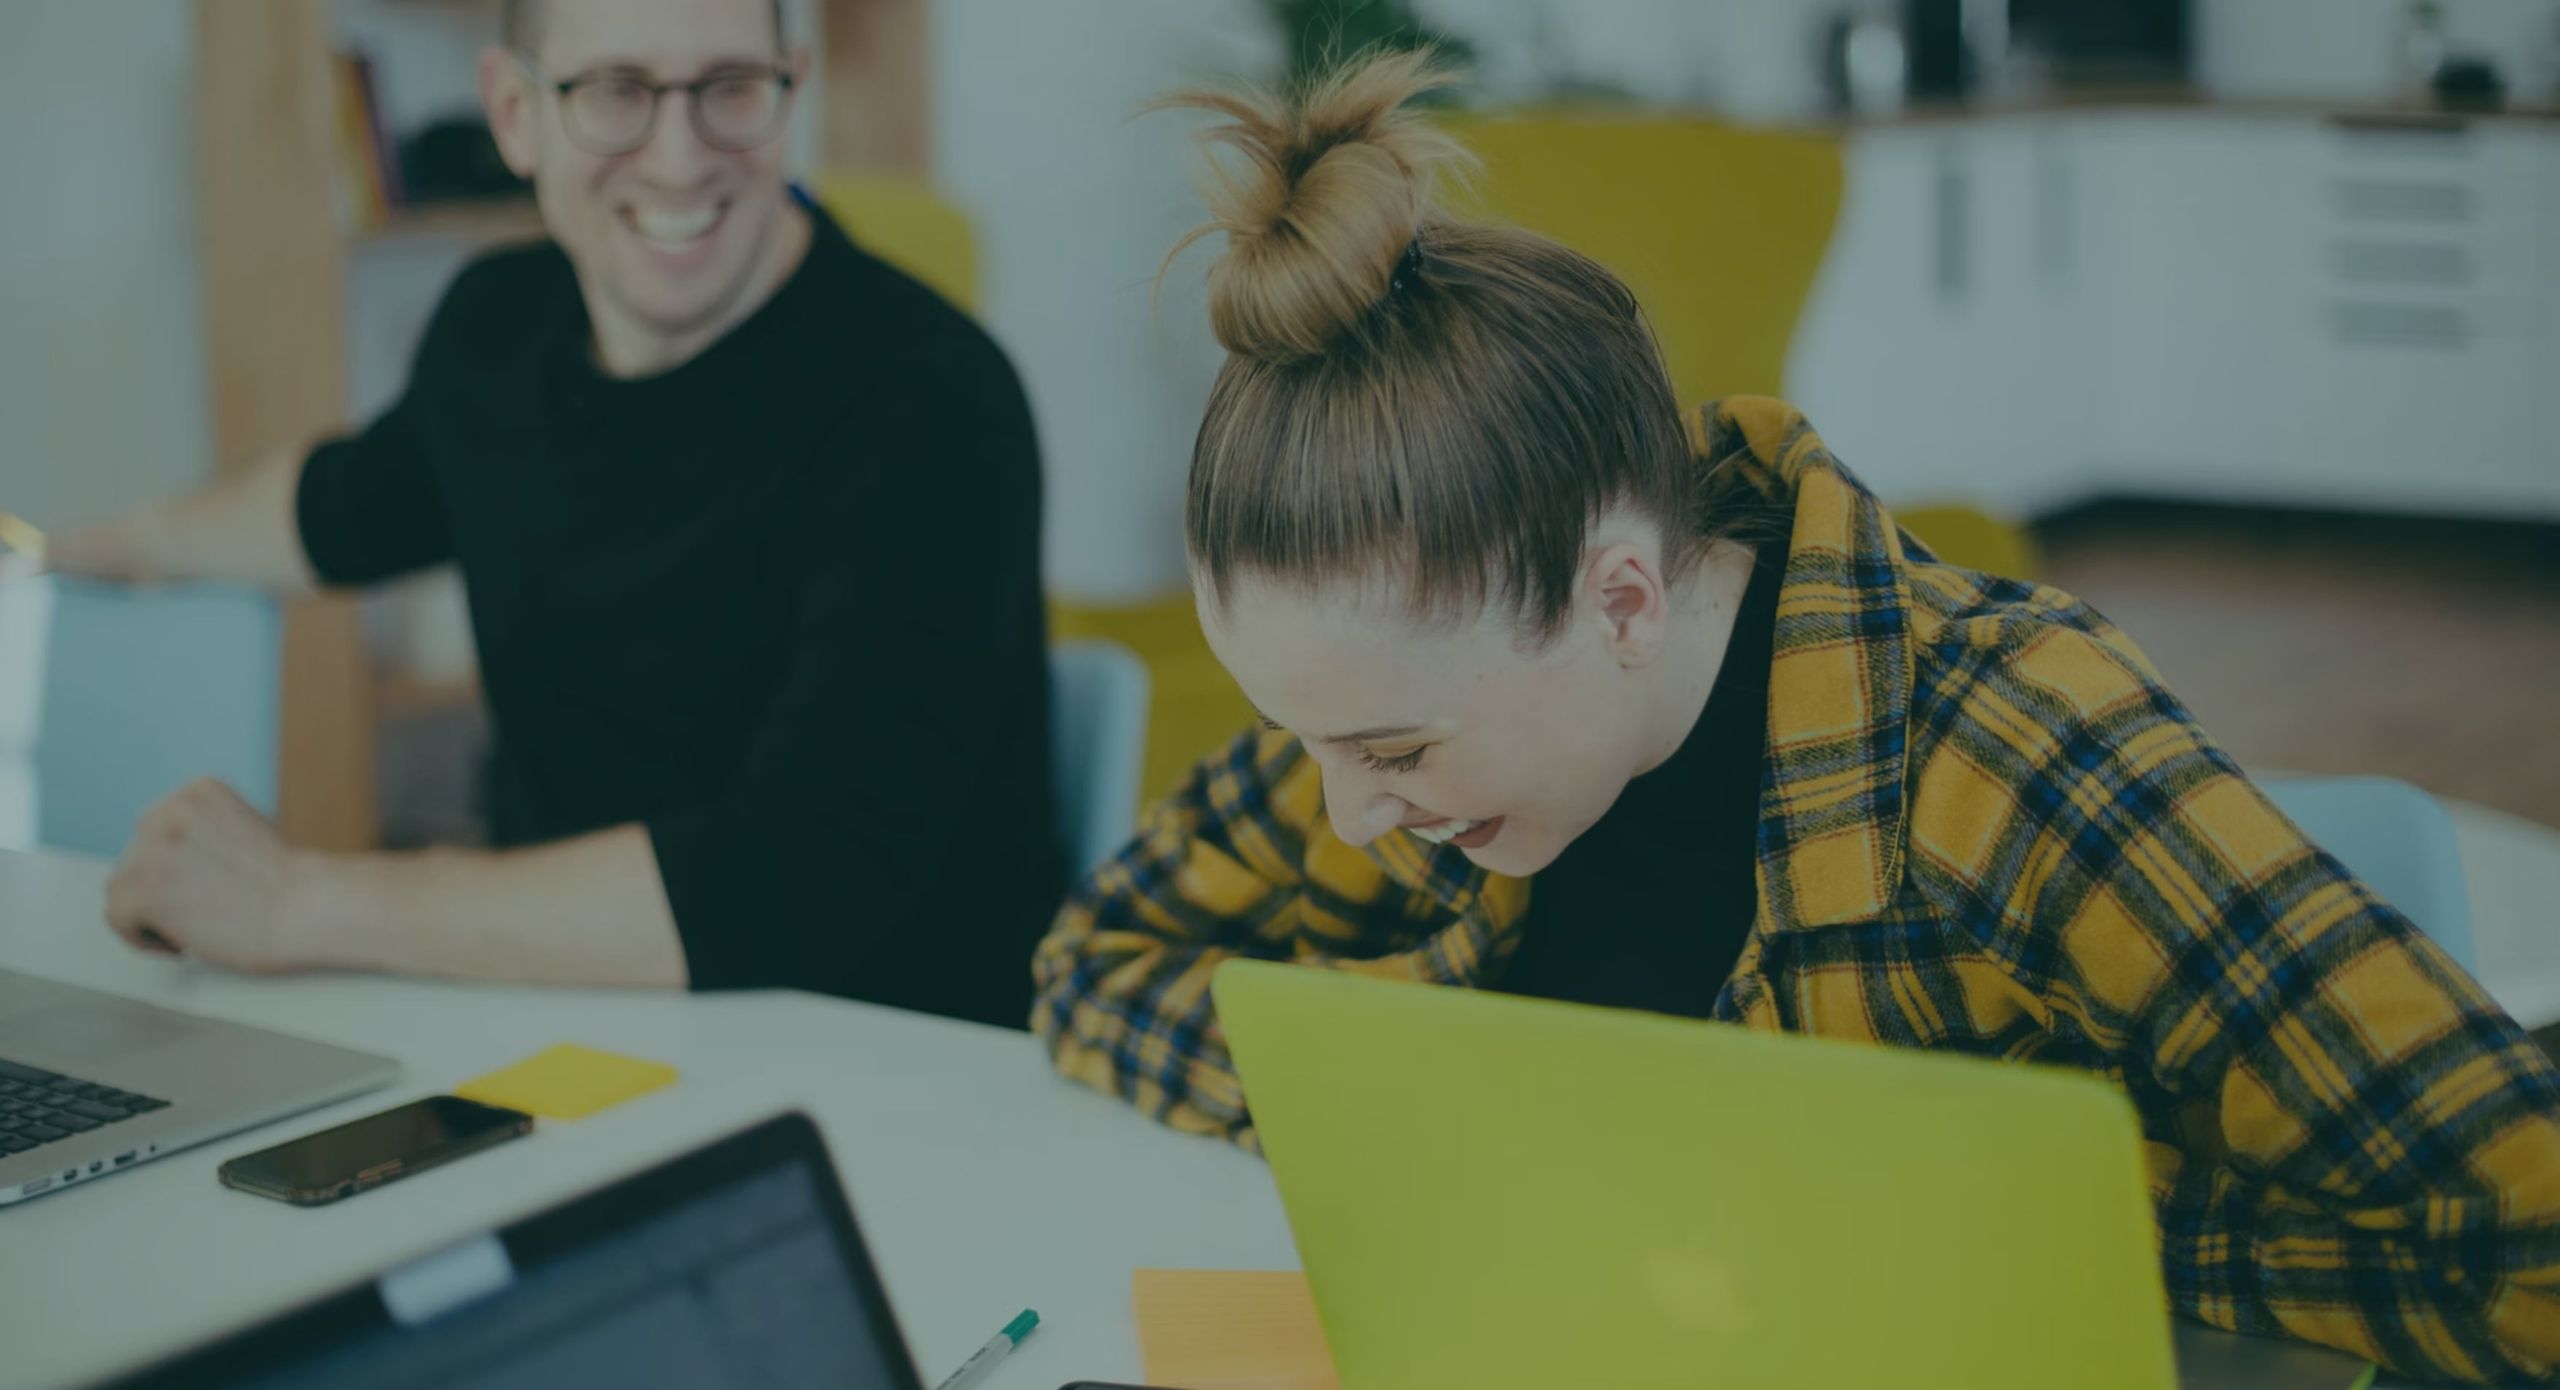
x=1122 y=980
x=2352 y=1143
x=1240 y=863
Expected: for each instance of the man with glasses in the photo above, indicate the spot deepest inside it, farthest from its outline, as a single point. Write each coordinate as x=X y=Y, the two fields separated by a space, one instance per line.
x=750 y=527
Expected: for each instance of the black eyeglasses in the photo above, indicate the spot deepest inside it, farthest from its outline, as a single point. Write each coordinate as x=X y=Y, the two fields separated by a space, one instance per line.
x=614 y=113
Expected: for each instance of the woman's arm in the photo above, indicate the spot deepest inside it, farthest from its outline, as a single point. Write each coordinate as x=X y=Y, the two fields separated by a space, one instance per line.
x=1122 y=979
x=2367 y=1151
x=1238 y=863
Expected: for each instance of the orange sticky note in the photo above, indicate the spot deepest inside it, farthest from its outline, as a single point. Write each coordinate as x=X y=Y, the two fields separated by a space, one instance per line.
x=1212 y=1329
x=567 y=1082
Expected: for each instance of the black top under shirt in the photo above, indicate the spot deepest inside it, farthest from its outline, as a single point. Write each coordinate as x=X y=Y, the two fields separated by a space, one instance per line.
x=780 y=603
x=1649 y=908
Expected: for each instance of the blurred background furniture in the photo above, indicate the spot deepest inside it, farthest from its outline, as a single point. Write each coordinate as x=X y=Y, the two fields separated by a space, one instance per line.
x=144 y=690
x=1098 y=708
x=2396 y=838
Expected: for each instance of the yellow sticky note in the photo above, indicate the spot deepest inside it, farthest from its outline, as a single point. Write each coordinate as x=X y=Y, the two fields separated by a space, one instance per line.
x=567 y=1082
x=19 y=536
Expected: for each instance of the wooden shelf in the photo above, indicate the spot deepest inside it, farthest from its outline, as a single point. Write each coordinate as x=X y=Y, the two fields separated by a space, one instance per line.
x=481 y=223
x=399 y=694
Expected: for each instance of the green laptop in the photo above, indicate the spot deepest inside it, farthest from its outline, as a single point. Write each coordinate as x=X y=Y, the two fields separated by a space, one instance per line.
x=1508 y=1194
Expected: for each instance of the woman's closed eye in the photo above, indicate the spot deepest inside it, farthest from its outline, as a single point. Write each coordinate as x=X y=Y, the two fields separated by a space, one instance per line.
x=1393 y=762
x=1374 y=761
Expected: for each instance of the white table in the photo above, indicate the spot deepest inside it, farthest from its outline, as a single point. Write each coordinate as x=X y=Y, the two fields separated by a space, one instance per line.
x=983 y=1183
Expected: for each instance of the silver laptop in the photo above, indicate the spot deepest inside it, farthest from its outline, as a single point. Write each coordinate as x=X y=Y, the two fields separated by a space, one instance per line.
x=91 y=1083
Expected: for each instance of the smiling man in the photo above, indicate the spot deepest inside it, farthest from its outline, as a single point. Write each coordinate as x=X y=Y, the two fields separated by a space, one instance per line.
x=750 y=527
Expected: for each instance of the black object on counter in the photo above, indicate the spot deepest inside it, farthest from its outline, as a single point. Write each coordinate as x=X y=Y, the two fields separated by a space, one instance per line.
x=456 y=159
x=1942 y=63
x=2466 y=82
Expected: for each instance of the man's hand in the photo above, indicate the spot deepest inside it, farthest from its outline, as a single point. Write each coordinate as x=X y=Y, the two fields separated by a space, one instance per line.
x=117 y=551
x=240 y=529
x=209 y=877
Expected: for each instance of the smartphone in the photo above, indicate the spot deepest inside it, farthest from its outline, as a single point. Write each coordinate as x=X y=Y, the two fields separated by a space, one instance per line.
x=317 y=1169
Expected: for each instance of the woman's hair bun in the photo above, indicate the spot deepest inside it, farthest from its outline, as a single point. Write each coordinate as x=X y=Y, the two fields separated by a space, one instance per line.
x=1333 y=186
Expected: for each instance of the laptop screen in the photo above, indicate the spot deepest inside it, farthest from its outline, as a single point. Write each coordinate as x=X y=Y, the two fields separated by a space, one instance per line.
x=734 y=1266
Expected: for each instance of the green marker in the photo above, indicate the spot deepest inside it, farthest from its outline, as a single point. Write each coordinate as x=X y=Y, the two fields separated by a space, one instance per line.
x=976 y=1367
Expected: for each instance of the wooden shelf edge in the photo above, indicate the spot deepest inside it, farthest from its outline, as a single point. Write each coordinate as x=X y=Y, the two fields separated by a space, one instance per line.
x=400 y=694
x=482 y=223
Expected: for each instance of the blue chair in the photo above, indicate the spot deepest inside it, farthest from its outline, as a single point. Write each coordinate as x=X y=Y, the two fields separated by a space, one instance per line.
x=1098 y=741
x=2396 y=838
x=26 y=617
x=142 y=691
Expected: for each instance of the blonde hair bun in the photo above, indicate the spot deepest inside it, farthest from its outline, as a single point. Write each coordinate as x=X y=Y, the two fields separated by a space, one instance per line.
x=1333 y=186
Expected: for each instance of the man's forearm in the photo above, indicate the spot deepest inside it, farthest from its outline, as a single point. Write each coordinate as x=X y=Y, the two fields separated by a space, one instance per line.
x=239 y=530
x=588 y=911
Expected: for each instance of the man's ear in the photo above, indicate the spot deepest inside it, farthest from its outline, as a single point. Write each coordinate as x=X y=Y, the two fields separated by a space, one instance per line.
x=506 y=93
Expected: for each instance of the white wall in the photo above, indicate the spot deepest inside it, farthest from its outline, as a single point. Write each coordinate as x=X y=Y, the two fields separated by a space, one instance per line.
x=102 y=381
x=1076 y=200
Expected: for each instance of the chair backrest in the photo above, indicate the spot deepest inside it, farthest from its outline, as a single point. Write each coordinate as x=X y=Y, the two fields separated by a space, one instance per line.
x=1098 y=713
x=1973 y=538
x=138 y=693
x=2396 y=838
x=1719 y=229
x=905 y=222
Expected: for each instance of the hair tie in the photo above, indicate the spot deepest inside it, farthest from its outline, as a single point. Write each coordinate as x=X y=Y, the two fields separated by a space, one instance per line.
x=1408 y=265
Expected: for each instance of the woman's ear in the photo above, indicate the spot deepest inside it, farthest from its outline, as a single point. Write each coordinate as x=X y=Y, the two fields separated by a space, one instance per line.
x=1623 y=590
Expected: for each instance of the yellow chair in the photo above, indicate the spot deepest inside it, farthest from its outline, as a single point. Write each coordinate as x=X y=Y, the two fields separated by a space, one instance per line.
x=1718 y=229
x=1974 y=539
x=904 y=222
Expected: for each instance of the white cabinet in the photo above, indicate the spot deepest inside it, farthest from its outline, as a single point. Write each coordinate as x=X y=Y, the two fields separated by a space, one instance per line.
x=2187 y=227
x=1928 y=351
x=2028 y=310
x=1878 y=362
x=2412 y=345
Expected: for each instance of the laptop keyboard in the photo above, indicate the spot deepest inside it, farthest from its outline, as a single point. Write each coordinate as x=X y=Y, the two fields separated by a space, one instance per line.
x=39 y=1107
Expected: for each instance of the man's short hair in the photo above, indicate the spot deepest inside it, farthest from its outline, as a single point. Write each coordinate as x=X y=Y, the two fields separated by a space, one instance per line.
x=520 y=25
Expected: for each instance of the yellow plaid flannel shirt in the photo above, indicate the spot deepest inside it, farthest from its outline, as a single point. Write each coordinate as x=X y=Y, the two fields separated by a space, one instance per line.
x=1985 y=828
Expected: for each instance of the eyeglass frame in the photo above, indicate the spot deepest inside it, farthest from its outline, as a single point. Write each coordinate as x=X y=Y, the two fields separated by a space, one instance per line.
x=564 y=88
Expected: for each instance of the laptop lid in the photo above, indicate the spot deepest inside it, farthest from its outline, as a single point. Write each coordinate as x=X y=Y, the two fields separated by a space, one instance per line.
x=1499 y=1192
x=735 y=1265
